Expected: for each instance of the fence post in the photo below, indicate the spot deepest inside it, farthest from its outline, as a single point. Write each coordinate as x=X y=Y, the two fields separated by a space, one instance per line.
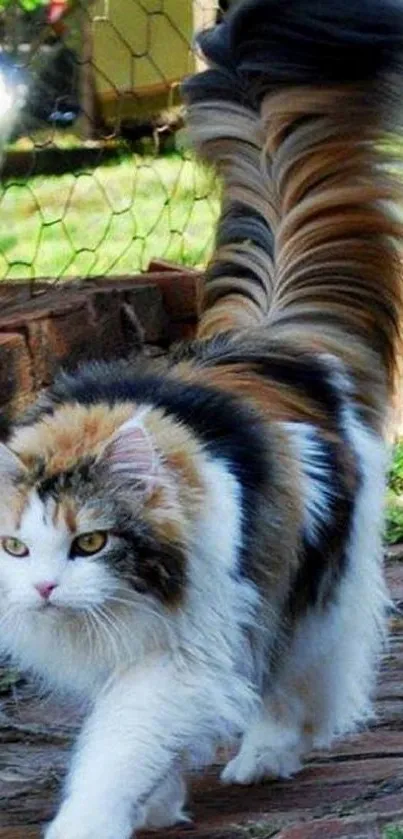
x=204 y=16
x=86 y=80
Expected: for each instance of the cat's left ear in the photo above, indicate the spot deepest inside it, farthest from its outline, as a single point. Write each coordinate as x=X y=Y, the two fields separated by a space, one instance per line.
x=131 y=454
x=10 y=464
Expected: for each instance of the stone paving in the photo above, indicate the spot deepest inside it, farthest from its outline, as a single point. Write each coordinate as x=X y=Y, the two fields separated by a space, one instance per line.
x=354 y=792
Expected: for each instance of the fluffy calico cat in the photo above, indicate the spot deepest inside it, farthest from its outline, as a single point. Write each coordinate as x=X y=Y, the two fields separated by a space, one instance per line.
x=195 y=547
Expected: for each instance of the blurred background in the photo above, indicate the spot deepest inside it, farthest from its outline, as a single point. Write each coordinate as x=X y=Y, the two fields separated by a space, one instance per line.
x=96 y=177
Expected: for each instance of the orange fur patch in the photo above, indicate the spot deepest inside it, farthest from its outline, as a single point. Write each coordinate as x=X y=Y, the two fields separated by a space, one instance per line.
x=66 y=511
x=71 y=433
x=172 y=506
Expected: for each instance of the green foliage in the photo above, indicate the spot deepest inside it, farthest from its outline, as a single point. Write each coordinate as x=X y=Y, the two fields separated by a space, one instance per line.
x=396 y=470
x=394 y=521
x=393 y=832
x=25 y=5
x=394 y=505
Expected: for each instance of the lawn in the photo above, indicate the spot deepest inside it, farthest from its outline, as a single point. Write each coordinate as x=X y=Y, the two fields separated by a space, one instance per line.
x=111 y=219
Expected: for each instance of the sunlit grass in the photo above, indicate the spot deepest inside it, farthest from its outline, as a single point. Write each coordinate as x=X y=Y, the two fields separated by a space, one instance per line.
x=109 y=220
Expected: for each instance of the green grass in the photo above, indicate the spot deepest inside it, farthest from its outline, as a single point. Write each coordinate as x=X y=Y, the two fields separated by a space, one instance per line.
x=393 y=832
x=110 y=220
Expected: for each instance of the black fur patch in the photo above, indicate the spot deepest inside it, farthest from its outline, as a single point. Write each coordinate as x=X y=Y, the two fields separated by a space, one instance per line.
x=268 y=44
x=231 y=269
x=68 y=482
x=239 y=224
x=323 y=556
x=149 y=565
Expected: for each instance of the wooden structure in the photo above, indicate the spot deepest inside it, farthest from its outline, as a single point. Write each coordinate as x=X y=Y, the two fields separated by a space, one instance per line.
x=140 y=52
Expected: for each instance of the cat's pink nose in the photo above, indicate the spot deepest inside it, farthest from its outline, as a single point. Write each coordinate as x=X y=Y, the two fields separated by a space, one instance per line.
x=45 y=589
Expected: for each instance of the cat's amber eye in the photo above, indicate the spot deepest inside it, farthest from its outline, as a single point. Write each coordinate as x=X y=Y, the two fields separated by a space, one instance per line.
x=88 y=543
x=14 y=546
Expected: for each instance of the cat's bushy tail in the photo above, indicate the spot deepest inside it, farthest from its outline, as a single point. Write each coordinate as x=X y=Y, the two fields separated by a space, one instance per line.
x=226 y=130
x=319 y=84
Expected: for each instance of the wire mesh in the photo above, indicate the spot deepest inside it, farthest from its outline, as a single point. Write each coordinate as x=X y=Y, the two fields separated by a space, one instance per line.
x=96 y=176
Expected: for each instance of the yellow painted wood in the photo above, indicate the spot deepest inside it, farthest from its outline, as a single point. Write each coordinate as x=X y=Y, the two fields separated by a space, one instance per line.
x=141 y=51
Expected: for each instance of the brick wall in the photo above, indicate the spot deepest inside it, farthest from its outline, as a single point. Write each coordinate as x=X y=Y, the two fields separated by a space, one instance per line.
x=45 y=326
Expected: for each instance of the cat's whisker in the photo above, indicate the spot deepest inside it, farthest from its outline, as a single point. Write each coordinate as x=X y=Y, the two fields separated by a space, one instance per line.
x=11 y=613
x=145 y=607
x=121 y=628
x=103 y=632
x=113 y=631
x=90 y=630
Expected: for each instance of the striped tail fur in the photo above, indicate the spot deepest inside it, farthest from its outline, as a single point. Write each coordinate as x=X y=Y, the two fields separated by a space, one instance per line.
x=300 y=111
x=227 y=132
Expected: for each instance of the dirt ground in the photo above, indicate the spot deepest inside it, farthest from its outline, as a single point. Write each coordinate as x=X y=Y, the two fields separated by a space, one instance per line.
x=353 y=792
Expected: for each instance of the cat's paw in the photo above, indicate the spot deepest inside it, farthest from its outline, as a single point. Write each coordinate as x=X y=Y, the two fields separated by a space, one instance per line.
x=166 y=806
x=158 y=818
x=250 y=766
x=77 y=825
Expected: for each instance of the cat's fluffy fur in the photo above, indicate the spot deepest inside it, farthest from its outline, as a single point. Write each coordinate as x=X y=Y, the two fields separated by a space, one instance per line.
x=240 y=590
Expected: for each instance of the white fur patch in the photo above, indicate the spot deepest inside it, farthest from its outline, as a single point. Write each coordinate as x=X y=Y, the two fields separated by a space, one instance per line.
x=163 y=683
x=317 y=491
x=323 y=688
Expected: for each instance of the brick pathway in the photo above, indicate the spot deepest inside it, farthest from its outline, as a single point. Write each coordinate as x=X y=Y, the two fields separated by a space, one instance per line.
x=351 y=793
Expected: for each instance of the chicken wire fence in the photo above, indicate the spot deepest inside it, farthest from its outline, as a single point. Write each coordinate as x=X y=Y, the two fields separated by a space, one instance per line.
x=96 y=175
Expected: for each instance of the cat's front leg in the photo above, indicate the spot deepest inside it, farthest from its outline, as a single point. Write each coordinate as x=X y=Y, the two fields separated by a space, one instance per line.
x=127 y=748
x=81 y=824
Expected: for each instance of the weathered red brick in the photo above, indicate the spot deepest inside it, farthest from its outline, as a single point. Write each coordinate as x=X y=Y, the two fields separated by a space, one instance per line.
x=394 y=574
x=66 y=336
x=21 y=292
x=183 y=330
x=345 y=772
x=146 y=304
x=166 y=265
x=70 y=324
x=389 y=804
x=175 y=298
x=181 y=290
x=334 y=828
x=16 y=381
x=54 y=300
x=370 y=743
x=181 y=293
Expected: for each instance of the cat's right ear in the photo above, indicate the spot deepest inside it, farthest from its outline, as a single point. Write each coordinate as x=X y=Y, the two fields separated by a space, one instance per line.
x=10 y=464
x=131 y=455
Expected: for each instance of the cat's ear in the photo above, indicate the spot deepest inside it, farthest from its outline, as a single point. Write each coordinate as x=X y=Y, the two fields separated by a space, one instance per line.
x=130 y=454
x=10 y=464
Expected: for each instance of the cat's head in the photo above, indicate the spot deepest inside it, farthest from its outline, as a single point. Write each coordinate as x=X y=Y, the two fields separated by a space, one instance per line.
x=97 y=507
